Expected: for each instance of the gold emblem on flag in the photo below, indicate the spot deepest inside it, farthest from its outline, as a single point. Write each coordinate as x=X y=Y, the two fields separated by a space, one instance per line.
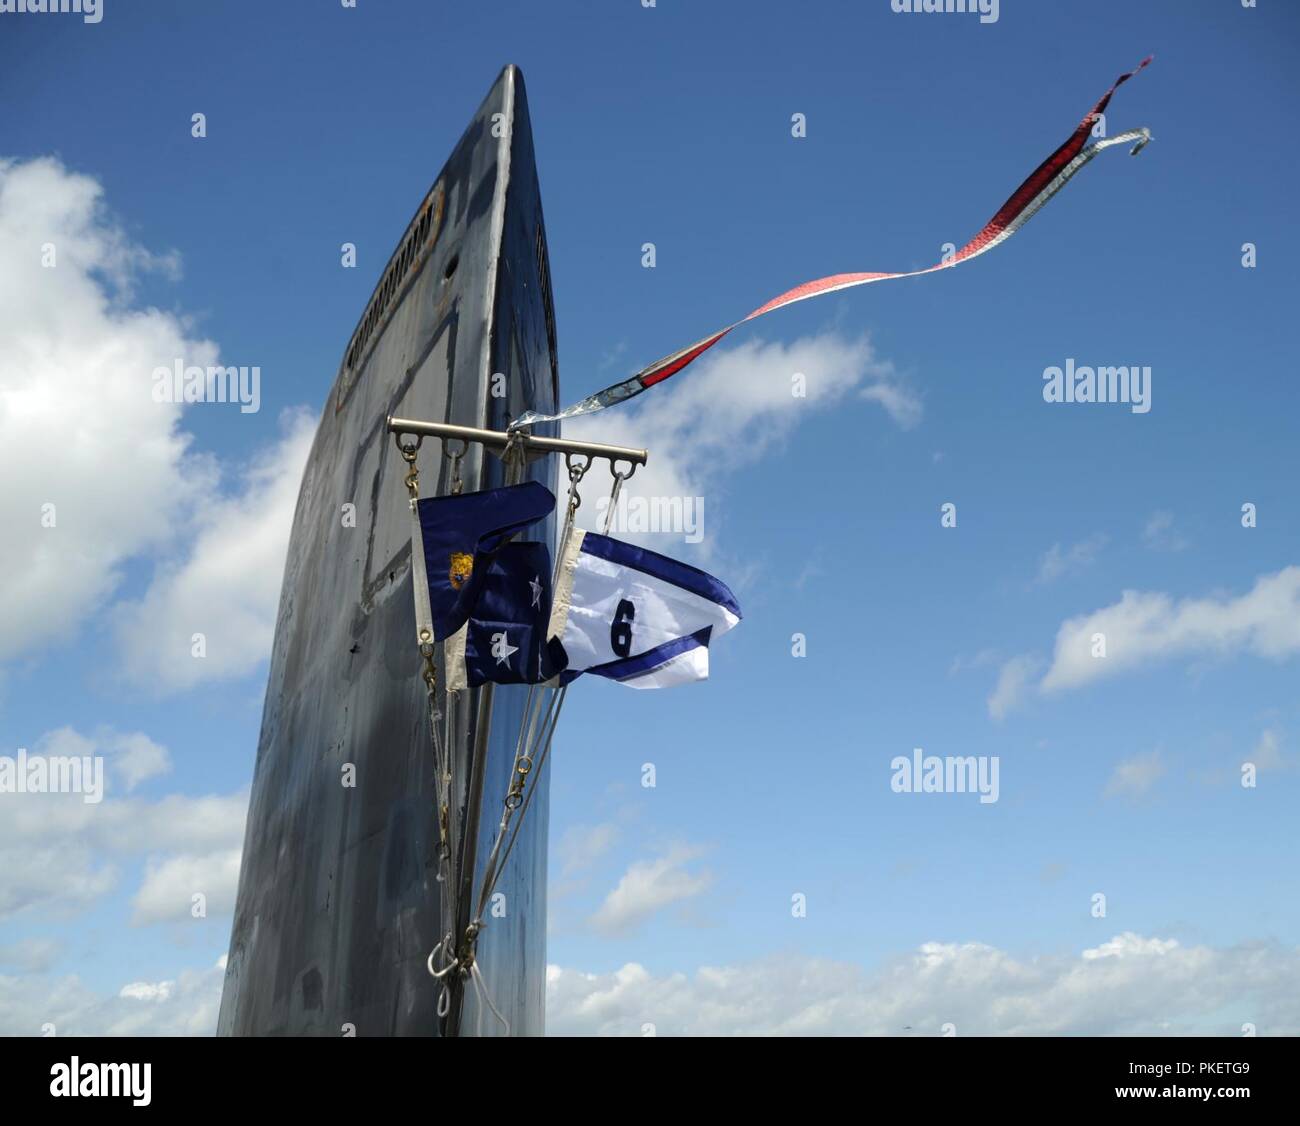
x=461 y=566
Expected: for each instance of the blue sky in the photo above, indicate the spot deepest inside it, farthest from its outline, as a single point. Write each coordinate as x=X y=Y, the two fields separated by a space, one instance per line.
x=672 y=125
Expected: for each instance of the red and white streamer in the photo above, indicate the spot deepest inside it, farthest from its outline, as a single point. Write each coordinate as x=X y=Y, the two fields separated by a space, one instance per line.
x=1043 y=183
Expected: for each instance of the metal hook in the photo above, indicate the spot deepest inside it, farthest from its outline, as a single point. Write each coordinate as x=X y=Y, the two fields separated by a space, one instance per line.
x=576 y=474
x=409 y=452
x=454 y=457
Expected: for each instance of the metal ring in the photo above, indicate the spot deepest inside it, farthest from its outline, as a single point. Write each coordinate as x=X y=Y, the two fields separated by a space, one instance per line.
x=514 y=801
x=613 y=468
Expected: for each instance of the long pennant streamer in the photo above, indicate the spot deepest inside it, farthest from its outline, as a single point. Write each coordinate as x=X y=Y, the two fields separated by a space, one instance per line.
x=1045 y=181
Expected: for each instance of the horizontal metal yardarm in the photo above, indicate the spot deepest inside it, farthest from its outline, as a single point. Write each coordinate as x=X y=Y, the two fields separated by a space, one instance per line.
x=498 y=439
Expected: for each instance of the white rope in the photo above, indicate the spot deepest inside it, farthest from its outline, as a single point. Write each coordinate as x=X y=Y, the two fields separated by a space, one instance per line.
x=481 y=992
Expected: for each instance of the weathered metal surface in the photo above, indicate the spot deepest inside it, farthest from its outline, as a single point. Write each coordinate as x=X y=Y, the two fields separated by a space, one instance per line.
x=338 y=904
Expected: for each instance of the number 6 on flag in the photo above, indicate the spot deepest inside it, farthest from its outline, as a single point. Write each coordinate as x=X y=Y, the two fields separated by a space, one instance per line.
x=635 y=616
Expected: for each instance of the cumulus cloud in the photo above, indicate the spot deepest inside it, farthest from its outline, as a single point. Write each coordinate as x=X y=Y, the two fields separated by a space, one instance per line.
x=59 y=854
x=729 y=409
x=1130 y=985
x=1014 y=681
x=98 y=473
x=185 y=1006
x=1142 y=628
x=166 y=895
x=137 y=758
x=95 y=471
x=649 y=886
x=227 y=585
x=131 y=757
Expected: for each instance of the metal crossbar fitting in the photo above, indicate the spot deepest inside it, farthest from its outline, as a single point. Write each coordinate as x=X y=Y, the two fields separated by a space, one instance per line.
x=498 y=440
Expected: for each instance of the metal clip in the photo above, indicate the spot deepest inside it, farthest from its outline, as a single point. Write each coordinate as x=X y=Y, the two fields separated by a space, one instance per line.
x=576 y=474
x=409 y=453
x=456 y=483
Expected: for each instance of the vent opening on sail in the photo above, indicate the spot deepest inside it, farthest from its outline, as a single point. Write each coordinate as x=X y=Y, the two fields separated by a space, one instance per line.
x=391 y=284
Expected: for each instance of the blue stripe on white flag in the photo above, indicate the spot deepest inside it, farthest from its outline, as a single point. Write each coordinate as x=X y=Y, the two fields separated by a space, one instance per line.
x=661 y=567
x=651 y=659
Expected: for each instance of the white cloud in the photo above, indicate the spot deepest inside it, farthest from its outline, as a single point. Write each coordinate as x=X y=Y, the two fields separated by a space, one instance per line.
x=138 y=758
x=185 y=1006
x=148 y=990
x=228 y=585
x=1058 y=561
x=898 y=399
x=1013 y=682
x=1136 y=776
x=99 y=474
x=1142 y=628
x=78 y=425
x=59 y=854
x=131 y=757
x=166 y=895
x=1128 y=986
x=62 y=877
x=1130 y=945
x=649 y=886
x=727 y=411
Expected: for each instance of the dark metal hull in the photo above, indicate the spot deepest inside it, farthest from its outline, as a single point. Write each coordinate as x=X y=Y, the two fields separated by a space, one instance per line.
x=339 y=901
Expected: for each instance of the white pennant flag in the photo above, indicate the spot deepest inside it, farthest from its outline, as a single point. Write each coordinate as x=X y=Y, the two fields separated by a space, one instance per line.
x=635 y=616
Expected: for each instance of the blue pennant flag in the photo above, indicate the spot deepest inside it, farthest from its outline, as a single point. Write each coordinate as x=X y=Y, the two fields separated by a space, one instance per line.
x=461 y=534
x=505 y=641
